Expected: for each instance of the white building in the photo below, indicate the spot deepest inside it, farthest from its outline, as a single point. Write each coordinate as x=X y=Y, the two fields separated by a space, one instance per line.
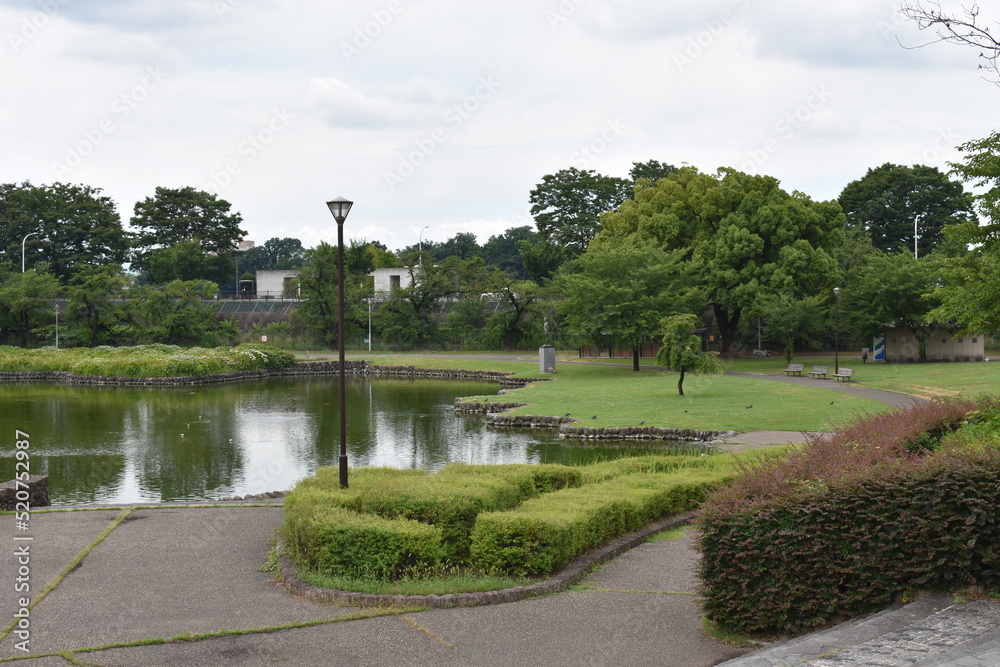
x=387 y=279
x=273 y=284
x=942 y=345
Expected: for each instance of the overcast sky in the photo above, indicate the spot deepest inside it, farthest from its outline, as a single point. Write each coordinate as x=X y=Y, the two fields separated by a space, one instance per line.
x=445 y=114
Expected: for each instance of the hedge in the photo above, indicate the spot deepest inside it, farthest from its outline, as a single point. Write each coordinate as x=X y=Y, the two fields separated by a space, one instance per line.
x=544 y=534
x=818 y=548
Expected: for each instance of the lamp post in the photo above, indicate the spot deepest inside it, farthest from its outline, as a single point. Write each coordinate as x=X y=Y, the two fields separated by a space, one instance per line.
x=340 y=207
x=22 y=248
x=836 y=330
x=420 y=245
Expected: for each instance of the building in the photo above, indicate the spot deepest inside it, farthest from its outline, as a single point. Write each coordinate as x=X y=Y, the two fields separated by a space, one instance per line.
x=273 y=284
x=942 y=345
x=387 y=279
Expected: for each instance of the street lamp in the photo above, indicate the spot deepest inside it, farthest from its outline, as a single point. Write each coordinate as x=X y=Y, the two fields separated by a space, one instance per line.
x=22 y=248
x=836 y=330
x=340 y=207
x=420 y=245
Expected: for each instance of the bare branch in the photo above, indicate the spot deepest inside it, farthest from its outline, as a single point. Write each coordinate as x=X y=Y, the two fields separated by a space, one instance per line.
x=965 y=29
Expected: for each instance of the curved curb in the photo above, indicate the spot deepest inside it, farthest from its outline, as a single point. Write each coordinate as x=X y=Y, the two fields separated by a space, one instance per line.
x=560 y=580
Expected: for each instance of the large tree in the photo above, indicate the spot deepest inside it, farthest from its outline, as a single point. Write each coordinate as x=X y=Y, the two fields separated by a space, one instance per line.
x=746 y=236
x=567 y=205
x=318 y=284
x=180 y=214
x=653 y=170
x=188 y=260
x=621 y=288
x=503 y=251
x=67 y=227
x=26 y=302
x=892 y=201
x=178 y=313
x=95 y=306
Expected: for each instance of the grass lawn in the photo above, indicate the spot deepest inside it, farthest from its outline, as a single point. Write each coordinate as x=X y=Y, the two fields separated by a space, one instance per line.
x=618 y=396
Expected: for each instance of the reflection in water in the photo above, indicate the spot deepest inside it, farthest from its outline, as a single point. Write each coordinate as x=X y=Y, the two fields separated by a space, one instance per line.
x=119 y=445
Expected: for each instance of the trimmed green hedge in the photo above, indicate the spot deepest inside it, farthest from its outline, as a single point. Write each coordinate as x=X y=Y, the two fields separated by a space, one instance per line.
x=804 y=549
x=544 y=534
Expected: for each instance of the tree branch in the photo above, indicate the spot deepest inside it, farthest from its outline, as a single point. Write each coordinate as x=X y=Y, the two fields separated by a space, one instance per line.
x=965 y=30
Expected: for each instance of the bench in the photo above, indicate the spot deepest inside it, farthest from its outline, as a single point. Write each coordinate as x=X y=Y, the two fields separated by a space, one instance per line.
x=793 y=369
x=845 y=374
x=819 y=371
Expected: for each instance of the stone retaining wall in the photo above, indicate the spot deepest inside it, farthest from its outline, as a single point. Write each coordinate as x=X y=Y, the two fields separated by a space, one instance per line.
x=351 y=367
x=38 y=492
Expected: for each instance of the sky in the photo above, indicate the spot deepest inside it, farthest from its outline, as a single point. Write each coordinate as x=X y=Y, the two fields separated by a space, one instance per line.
x=439 y=117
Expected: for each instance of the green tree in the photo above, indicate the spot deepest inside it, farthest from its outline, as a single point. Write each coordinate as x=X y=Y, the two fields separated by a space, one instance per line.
x=653 y=170
x=172 y=216
x=681 y=350
x=462 y=245
x=318 y=282
x=178 y=313
x=188 y=260
x=567 y=206
x=970 y=285
x=891 y=201
x=746 y=236
x=26 y=302
x=893 y=290
x=790 y=320
x=620 y=289
x=513 y=322
x=503 y=252
x=541 y=258
x=70 y=227
x=95 y=307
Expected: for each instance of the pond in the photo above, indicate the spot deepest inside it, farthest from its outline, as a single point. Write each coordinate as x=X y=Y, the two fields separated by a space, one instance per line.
x=126 y=445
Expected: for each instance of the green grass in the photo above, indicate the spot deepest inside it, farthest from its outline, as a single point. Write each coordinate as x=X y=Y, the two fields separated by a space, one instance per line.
x=439 y=584
x=618 y=396
x=146 y=361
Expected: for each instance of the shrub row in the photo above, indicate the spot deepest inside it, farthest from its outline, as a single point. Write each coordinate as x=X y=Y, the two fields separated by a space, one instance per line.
x=448 y=502
x=501 y=518
x=145 y=361
x=848 y=524
x=544 y=534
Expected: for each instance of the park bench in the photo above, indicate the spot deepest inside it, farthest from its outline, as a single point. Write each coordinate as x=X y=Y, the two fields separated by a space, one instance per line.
x=819 y=371
x=793 y=369
x=845 y=374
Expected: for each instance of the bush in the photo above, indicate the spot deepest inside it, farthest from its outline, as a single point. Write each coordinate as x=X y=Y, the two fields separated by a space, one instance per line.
x=852 y=521
x=545 y=533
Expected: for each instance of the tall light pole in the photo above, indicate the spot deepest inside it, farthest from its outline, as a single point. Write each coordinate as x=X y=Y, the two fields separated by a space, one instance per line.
x=916 y=218
x=836 y=330
x=340 y=207
x=22 y=248
x=420 y=245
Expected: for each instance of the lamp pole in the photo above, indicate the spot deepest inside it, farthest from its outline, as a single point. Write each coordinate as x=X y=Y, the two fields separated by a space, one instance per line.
x=420 y=245
x=836 y=330
x=22 y=248
x=340 y=207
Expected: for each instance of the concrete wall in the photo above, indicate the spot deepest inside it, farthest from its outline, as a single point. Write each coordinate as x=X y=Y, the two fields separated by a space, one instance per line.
x=272 y=283
x=943 y=345
x=385 y=278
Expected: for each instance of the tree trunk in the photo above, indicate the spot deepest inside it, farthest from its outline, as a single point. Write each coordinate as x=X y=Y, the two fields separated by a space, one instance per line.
x=680 y=383
x=727 y=323
x=635 y=358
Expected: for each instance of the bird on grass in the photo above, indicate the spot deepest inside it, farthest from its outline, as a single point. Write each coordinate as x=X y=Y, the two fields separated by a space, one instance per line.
x=594 y=417
x=566 y=415
x=748 y=406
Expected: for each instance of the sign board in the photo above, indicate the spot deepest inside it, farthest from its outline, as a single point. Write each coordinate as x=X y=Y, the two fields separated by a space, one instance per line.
x=878 y=349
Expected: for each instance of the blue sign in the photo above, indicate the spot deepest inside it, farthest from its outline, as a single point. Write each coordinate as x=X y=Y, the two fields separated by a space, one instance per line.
x=879 y=349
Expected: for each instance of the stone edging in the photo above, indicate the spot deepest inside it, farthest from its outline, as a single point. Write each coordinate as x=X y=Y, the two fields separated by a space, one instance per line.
x=560 y=580
x=351 y=367
x=494 y=417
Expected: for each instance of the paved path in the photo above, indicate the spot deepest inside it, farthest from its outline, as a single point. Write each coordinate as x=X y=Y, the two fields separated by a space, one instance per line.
x=165 y=574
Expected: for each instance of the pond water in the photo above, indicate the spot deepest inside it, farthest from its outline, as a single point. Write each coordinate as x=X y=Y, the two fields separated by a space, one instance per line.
x=120 y=445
